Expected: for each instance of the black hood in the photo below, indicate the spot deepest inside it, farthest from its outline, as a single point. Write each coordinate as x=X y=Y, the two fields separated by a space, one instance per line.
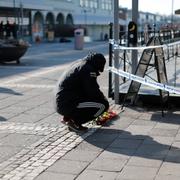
x=97 y=60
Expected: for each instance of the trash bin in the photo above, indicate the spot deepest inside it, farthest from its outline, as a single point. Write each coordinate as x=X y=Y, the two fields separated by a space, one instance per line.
x=79 y=39
x=50 y=36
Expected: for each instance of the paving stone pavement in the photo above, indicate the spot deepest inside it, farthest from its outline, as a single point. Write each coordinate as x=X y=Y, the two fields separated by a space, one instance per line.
x=139 y=144
x=34 y=159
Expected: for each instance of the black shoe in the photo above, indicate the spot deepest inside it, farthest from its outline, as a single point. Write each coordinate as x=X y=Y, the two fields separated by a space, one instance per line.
x=83 y=128
x=76 y=127
x=65 y=120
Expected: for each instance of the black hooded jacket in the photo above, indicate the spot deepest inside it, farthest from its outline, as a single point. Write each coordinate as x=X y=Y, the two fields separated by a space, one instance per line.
x=80 y=82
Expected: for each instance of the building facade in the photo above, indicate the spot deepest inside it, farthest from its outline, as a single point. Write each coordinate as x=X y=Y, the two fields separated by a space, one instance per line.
x=148 y=22
x=36 y=19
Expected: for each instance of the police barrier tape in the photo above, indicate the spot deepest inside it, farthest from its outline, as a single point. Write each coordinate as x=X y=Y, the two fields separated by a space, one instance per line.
x=117 y=46
x=144 y=81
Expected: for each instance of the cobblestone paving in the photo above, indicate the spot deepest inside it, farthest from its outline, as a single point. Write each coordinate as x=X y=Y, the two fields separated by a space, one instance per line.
x=32 y=160
x=28 y=128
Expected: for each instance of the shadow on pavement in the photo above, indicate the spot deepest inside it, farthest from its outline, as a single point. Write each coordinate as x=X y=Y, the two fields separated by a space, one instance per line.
x=124 y=143
x=2 y=119
x=9 y=91
x=171 y=117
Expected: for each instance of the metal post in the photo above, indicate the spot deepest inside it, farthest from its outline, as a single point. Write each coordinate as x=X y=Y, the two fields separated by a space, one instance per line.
x=110 y=59
x=85 y=20
x=172 y=12
x=22 y=17
x=134 y=19
x=85 y=17
x=14 y=6
x=116 y=51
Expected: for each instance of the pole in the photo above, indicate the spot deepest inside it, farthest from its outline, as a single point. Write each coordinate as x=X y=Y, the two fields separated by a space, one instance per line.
x=85 y=20
x=116 y=51
x=172 y=9
x=134 y=19
x=110 y=59
x=22 y=17
x=14 y=6
x=85 y=17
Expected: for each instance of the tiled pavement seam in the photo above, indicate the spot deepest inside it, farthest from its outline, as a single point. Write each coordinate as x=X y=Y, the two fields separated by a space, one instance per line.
x=32 y=160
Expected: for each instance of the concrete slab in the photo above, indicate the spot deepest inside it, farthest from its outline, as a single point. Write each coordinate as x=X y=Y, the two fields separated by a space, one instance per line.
x=55 y=176
x=68 y=167
x=106 y=164
x=81 y=155
x=137 y=173
x=94 y=174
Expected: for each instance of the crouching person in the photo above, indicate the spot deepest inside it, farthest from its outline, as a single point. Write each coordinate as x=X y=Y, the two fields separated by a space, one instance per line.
x=78 y=96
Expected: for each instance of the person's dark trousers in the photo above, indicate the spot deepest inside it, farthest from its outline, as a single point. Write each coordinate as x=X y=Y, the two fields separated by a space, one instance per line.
x=88 y=110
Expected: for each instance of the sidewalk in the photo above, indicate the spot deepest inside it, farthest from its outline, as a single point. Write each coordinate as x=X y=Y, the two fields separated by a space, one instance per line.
x=139 y=145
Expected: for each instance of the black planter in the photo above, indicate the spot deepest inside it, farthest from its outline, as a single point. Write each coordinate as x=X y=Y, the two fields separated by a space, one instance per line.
x=12 y=51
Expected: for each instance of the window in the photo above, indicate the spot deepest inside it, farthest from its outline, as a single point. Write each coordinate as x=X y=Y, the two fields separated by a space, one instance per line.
x=106 y=4
x=89 y=3
x=63 y=0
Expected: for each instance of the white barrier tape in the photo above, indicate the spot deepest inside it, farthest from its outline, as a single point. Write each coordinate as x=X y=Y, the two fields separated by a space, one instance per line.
x=144 y=81
x=117 y=46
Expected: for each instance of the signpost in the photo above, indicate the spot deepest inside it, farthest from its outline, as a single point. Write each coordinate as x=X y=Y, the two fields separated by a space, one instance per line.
x=116 y=51
x=135 y=20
